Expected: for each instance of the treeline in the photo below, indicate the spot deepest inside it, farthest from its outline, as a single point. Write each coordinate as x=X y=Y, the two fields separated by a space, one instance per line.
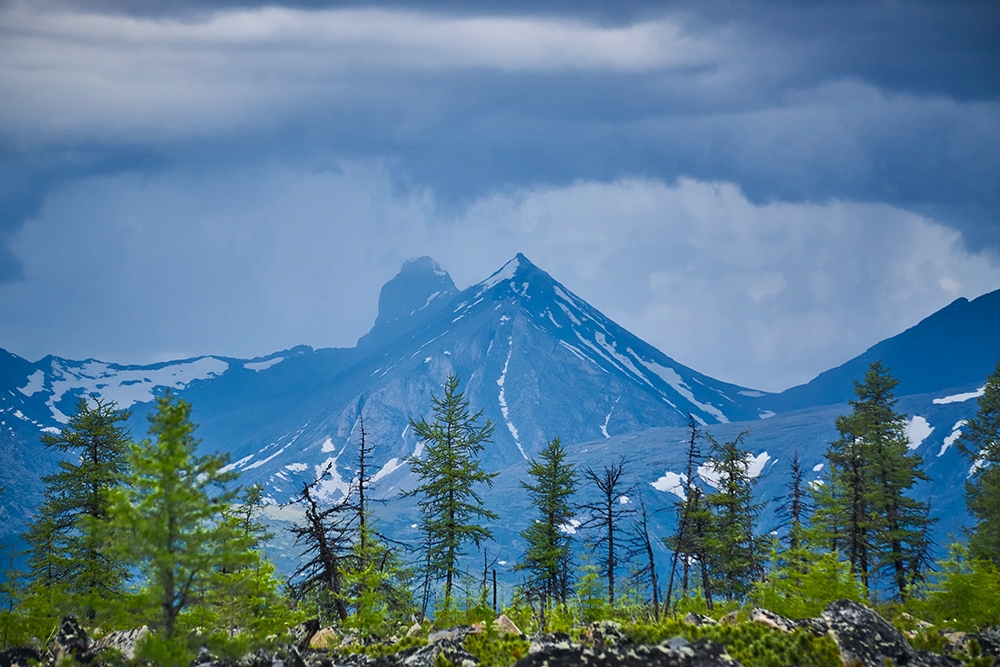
x=152 y=533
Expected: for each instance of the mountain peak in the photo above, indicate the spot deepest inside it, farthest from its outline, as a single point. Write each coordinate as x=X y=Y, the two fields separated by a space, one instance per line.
x=419 y=289
x=518 y=268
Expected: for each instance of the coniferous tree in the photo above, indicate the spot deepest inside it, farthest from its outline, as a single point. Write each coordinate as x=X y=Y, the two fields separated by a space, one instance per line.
x=607 y=517
x=737 y=555
x=688 y=542
x=68 y=537
x=449 y=472
x=794 y=506
x=169 y=518
x=865 y=506
x=244 y=593
x=376 y=583
x=549 y=545
x=980 y=441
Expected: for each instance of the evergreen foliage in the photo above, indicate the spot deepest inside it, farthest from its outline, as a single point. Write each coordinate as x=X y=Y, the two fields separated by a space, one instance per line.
x=68 y=536
x=547 y=558
x=864 y=508
x=800 y=583
x=168 y=518
x=981 y=442
x=449 y=472
x=736 y=555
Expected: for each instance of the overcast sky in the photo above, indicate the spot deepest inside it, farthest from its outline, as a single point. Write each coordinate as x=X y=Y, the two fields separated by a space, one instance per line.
x=762 y=190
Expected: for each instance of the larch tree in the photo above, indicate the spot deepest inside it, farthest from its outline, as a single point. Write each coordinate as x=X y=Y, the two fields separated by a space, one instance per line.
x=69 y=535
x=867 y=506
x=980 y=441
x=449 y=470
x=737 y=554
x=549 y=544
x=169 y=517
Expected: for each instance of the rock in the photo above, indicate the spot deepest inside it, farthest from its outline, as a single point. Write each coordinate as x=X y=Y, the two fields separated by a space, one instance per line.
x=692 y=618
x=124 y=641
x=324 y=639
x=414 y=630
x=703 y=653
x=816 y=626
x=989 y=642
x=303 y=633
x=771 y=620
x=866 y=638
x=604 y=633
x=19 y=656
x=505 y=626
x=550 y=641
x=456 y=634
x=450 y=649
x=70 y=642
x=730 y=618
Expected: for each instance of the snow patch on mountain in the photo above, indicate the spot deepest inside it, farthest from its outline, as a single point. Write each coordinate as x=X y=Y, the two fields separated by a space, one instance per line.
x=755 y=465
x=259 y=366
x=607 y=418
x=672 y=378
x=126 y=386
x=506 y=272
x=671 y=482
x=569 y=528
x=956 y=433
x=917 y=430
x=504 y=410
x=959 y=398
x=390 y=466
x=36 y=383
x=330 y=481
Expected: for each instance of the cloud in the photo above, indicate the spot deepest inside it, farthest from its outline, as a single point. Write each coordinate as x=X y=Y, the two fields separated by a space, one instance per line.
x=766 y=295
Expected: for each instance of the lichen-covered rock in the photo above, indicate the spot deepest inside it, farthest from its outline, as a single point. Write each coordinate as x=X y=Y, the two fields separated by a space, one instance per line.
x=303 y=633
x=702 y=653
x=550 y=641
x=70 y=643
x=989 y=642
x=19 y=656
x=125 y=641
x=866 y=638
x=692 y=618
x=450 y=649
x=817 y=626
x=604 y=633
x=456 y=634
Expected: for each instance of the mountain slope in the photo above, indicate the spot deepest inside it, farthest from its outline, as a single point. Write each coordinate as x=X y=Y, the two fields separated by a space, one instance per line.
x=955 y=347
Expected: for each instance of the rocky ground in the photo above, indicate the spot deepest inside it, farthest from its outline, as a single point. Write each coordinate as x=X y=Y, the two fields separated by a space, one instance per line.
x=862 y=637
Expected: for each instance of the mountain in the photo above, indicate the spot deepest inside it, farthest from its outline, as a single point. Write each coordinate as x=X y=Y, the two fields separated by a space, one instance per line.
x=539 y=362
x=955 y=347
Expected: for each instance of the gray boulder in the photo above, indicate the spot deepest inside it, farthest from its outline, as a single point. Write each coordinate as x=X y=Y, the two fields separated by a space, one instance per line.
x=702 y=653
x=866 y=638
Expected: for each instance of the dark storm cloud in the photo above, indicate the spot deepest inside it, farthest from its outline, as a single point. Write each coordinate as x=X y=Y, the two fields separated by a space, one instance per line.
x=464 y=132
